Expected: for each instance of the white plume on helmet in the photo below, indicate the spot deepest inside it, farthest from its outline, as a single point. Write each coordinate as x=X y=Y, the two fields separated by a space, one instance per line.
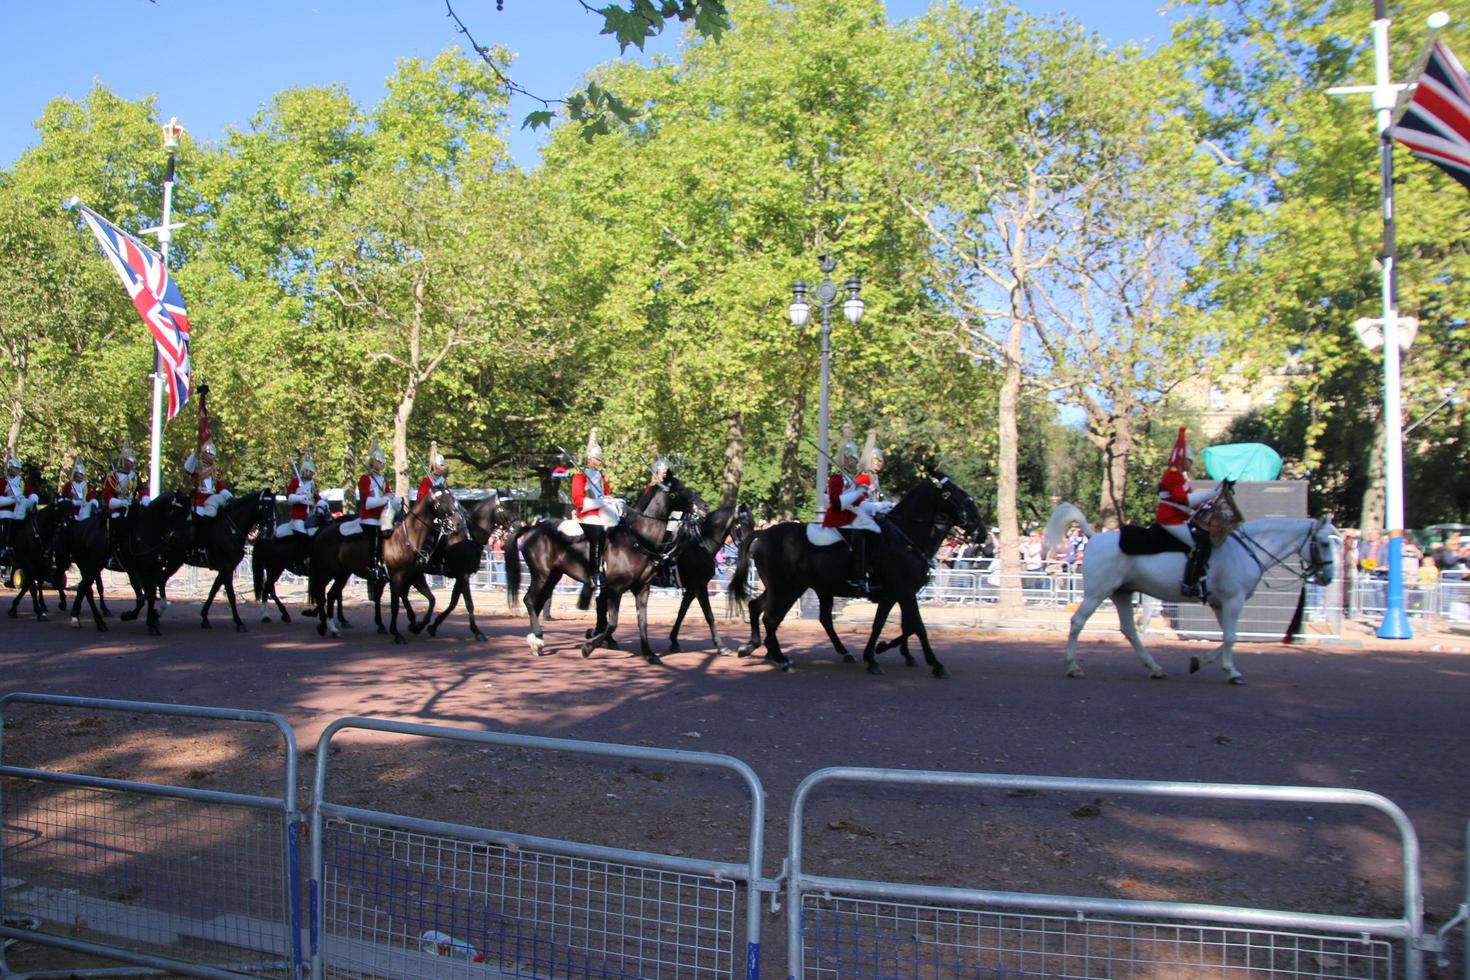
x=307 y=468
x=375 y=453
x=436 y=458
x=78 y=471
x=125 y=458
x=871 y=453
x=12 y=465
x=594 y=449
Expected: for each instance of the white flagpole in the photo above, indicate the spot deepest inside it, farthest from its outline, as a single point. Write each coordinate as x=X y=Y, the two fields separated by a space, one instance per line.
x=165 y=231
x=1395 y=625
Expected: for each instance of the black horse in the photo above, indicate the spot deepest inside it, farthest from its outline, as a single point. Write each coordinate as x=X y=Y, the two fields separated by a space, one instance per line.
x=149 y=544
x=271 y=557
x=789 y=564
x=219 y=545
x=696 y=565
x=336 y=557
x=634 y=550
x=32 y=555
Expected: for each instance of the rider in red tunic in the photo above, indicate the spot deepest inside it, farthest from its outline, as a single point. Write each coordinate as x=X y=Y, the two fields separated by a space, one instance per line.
x=593 y=507
x=372 y=498
x=434 y=480
x=303 y=496
x=850 y=506
x=76 y=492
x=1177 y=504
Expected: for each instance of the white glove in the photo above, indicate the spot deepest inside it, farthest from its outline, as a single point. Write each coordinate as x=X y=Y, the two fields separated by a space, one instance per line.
x=6 y=501
x=298 y=498
x=378 y=501
x=884 y=506
x=852 y=497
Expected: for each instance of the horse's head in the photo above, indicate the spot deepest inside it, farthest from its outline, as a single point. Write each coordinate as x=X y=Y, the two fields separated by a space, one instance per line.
x=743 y=523
x=263 y=517
x=957 y=508
x=1319 y=553
x=445 y=512
x=682 y=498
x=487 y=517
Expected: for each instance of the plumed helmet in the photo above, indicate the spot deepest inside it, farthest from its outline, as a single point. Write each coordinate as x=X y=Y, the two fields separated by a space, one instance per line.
x=125 y=459
x=847 y=453
x=375 y=455
x=307 y=467
x=12 y=465
x=594 y=449
x=78 y=471
x=872 y=457
x=209 y=449
x=1181 y=455
x=436 y=459
x=661 y=468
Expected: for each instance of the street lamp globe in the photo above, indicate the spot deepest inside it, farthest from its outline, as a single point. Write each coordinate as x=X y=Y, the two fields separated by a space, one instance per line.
x=852 y=307
x=800 y=311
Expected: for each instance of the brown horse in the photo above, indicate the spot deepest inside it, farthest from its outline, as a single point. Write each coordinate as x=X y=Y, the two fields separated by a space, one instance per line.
x=336 y=557
x=633 y=552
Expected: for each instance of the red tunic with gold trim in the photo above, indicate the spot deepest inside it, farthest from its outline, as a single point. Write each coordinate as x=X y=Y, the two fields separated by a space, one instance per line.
x=428 y=485
x=837 y=515
x=369 y=486
x=298 y=510
x=586 y=505
x=76 y=493
x=111 y=488
x=1173 y=489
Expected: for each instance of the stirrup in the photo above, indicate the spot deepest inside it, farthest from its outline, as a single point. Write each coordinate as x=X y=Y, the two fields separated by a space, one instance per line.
x=1195 y=591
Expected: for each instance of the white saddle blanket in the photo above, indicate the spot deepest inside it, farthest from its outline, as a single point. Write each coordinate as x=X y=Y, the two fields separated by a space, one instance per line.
x=822 y=537
x=350 y=528
x=570 y=529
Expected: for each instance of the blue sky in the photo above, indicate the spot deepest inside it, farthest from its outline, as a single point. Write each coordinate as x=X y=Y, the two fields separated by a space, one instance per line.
x=217 y=61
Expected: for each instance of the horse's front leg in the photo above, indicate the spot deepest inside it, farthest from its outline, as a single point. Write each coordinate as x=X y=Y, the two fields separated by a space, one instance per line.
x=460 y=584
x=1084 y=612
x=537 y=594
x=913 y=623
x=641 y=601
x=229 y=578
x=824 y=616
x=709 y=617
x=870 y=652
x=683 y=608
x=1228 y=615
x=1123 y=599
x=397 y=590
x=606 y=623
x=219 y=579
x=753 y=611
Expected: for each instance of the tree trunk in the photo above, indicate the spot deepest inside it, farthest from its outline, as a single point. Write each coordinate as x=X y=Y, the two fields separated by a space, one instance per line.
x=734 y=460
x=401 y=415
x=792 y=485
x=1116 y=447
x=1008 y=548
x=1375 y=498
x=12 y=435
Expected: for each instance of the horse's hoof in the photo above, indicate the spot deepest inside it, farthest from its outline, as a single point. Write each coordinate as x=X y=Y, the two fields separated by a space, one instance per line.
x=76 y=623
x=873 y=668
x=12 y=614
x=152 y=630
x=285 y=617
x=586 y=649
x=674 y=646
x=1194 y=665
x=848 y=658
x=417 y=628
x=1075 y=671
x=265 y=617
x=910 y=662
x=309 y=612
x=42 y=617
x=654 y=660
x=745 y=651
x=336 y=635
x=381 y=629
x=433 y=631
x=204 y=624
x=1158 y=675
x=612 y=643
x=240 y=628
x=321 y=629
x=399 y=638
x=103 y=628
x=128 y=617
x=1237 y=680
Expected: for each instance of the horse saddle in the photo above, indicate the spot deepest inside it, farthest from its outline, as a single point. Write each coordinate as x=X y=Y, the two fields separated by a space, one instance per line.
x=350 y=528
x=1149 y=539
x=822 y=537
x=570 y=529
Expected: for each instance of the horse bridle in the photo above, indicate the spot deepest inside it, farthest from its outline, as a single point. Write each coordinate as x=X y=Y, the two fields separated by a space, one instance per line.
x=442 y=526
x=1310 y=570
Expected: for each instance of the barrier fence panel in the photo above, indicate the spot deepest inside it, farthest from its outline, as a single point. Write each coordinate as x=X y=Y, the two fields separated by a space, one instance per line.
x=182 y=879
x=406 y=897
x=845 y=927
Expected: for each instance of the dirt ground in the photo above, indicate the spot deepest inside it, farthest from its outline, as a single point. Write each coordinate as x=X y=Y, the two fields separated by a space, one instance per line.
x=1366 y=714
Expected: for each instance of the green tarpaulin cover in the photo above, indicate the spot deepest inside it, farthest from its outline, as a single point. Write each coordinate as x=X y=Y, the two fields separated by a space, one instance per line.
x=1242 y=461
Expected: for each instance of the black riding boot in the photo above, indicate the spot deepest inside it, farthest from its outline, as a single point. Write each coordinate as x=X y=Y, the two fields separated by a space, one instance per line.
x=596 y=535
x=1193 y=585
x=379 y=570
x=857 y=574
x=7 y=538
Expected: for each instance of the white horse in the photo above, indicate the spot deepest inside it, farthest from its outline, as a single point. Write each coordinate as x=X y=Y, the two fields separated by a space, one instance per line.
x=1236 y=567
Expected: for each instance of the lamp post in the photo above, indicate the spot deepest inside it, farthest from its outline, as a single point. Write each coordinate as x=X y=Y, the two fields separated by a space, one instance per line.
x=852 y=308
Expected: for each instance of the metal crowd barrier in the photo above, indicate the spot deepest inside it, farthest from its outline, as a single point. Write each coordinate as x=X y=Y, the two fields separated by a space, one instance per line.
x=190 y=881
x=405 y=897
x=841 y=927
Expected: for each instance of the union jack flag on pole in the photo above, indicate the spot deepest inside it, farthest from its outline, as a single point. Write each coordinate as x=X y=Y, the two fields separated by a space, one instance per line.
x=1435 y=123
x=155 y=297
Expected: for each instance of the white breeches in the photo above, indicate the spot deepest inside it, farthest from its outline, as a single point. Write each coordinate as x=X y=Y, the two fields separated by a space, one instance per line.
x=117 y=503
x=609 y=513
x=85 y=510
x=211 y=504
x=296 y=526
x=1180 y=531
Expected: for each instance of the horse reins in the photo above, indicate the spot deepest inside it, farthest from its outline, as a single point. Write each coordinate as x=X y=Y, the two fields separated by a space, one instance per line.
x=1310 y=569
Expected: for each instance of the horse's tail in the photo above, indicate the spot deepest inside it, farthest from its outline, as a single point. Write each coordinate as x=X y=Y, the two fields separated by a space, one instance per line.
x=740 y=578
x=1056 y=528
x=257 y=571
x=512 y=558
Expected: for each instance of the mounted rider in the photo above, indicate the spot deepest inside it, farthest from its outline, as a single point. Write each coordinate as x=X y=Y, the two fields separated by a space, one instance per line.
x=205 y=493
x=120 y=489
x=304 y=497
x=436 y=479
x=592 y=506
x=77 y=494
x=373 y=498
x=17 y=498
x=660 y=473
x=1178 y=501
x=851 y=509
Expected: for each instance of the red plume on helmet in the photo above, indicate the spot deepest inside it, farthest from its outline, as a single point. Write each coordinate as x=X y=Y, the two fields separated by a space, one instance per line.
x=1180 y=454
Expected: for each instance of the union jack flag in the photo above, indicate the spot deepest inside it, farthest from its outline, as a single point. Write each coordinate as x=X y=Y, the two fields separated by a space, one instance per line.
x=1435 y=123
x=156 y=299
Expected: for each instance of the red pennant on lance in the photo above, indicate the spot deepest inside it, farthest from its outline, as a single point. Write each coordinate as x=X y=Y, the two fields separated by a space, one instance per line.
x=154 y=296
x=1435 y=123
